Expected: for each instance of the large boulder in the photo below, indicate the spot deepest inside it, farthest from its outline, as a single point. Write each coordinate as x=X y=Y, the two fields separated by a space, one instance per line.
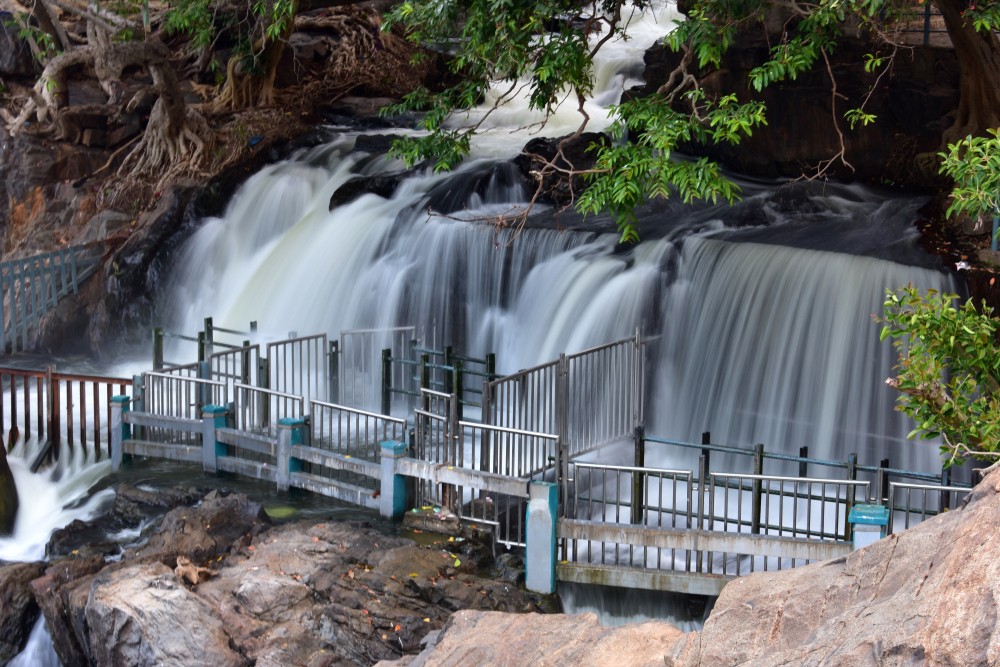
x=18 y=609
x=144 y=615
x=926 y=596
x=294 y=594
x=488 y=638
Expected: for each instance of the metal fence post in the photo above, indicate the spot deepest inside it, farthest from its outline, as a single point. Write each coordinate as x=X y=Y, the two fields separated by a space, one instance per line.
x=120 y=430
x=386 y=380
x=758 y=469
x=562 y=426
x=852 y=475
x=803 y=464
x=638 y=477
x=158 y=349
x=53 y=419
x=334 y=389
x=703 y=463
x=882 y=482
x=209 y=338
x=449 y=373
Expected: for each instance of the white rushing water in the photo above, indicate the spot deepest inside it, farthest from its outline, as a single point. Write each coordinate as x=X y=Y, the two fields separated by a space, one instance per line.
x=761 y=314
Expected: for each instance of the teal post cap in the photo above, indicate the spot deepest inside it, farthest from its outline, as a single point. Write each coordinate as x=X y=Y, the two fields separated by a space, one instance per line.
x=121 y=399
x=291 y=421
x=213 y=409
x=394 y=447
x=869 y=515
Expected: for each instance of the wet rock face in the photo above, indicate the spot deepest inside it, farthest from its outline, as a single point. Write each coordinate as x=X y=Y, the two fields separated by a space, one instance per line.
x=246 y=592
x=18 y=609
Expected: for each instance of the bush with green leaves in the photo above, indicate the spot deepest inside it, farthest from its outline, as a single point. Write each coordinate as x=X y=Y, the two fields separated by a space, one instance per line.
x=948 y=371
x=543 y=47
x=974 y=164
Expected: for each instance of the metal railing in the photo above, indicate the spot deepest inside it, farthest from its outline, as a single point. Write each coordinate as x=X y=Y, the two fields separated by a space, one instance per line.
x=58 y=410
x=590 y=399
x=258 y=410
x=300 y=366
x=32 y=286
x=352 y=432
x=361 y=372
x=909 y=504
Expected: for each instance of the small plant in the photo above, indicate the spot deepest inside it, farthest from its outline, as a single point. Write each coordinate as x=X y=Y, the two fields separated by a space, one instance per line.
x=948 y=371
x=974 y=164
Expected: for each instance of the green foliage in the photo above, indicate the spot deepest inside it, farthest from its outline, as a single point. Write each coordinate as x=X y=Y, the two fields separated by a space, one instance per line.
x=627 y=173
x=46 y=42
x=948 y=370
x=974 y=164
x=193 y=18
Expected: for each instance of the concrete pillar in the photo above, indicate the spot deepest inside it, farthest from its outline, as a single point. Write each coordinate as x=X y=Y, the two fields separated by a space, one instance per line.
x=120 y=430
x=290 y=433
x=392 y=501
x=540 y=536
x=213 y=417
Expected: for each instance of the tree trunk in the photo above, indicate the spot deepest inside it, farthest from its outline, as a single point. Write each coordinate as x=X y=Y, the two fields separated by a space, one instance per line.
x=978 y=56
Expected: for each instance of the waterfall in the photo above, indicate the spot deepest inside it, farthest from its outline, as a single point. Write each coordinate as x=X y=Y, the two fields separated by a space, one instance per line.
x=762 y=312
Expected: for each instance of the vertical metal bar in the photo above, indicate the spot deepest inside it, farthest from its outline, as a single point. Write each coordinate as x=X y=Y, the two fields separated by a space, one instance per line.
x=758 y=469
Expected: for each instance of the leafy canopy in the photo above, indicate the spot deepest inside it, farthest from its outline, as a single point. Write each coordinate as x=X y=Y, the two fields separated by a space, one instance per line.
x=547 y=49
x=948 y=371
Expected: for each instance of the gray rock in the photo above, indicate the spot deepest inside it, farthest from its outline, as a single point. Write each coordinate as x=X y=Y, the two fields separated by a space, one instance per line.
x=18 y=609
x=925 y=596
x=532 y=639
x=143 y=615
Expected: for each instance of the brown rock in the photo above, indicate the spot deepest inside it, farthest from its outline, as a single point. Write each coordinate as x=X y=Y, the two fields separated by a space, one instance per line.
x=143 y=615
x=926 y=596
x=490 y=638
x=18 y=609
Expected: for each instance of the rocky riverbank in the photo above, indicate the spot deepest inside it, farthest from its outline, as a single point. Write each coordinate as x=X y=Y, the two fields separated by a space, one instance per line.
x=218 y=583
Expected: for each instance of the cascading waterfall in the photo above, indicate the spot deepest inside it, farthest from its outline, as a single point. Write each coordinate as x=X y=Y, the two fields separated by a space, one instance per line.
x=761 y=313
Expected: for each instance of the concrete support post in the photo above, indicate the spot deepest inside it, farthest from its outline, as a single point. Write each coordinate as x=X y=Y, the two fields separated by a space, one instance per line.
x=540 y=537
x=290 y=433
x=392 y=501
x=213 y=417
x=120 y=430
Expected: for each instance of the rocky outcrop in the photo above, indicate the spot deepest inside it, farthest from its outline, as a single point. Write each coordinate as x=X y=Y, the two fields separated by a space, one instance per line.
x=217 y=584
x=483 y=638
x=926 y=596
x=18 y=609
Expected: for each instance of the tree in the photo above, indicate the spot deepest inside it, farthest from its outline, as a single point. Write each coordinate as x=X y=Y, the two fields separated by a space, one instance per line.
x=948 y=371
x=142 y=54
x=542 y=48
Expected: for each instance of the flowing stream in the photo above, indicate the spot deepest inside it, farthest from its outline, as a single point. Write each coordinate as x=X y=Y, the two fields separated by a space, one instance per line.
x=761 y=313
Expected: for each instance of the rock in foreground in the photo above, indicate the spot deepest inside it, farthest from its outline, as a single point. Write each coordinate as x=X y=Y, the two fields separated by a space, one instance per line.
x=218 y=586
x=489 y=638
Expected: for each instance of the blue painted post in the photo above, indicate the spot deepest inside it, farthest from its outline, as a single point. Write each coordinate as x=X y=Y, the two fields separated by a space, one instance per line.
x=392 y=500
x=120 y=430
x=290 y=433
x=213 y=417
x=540 y=537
